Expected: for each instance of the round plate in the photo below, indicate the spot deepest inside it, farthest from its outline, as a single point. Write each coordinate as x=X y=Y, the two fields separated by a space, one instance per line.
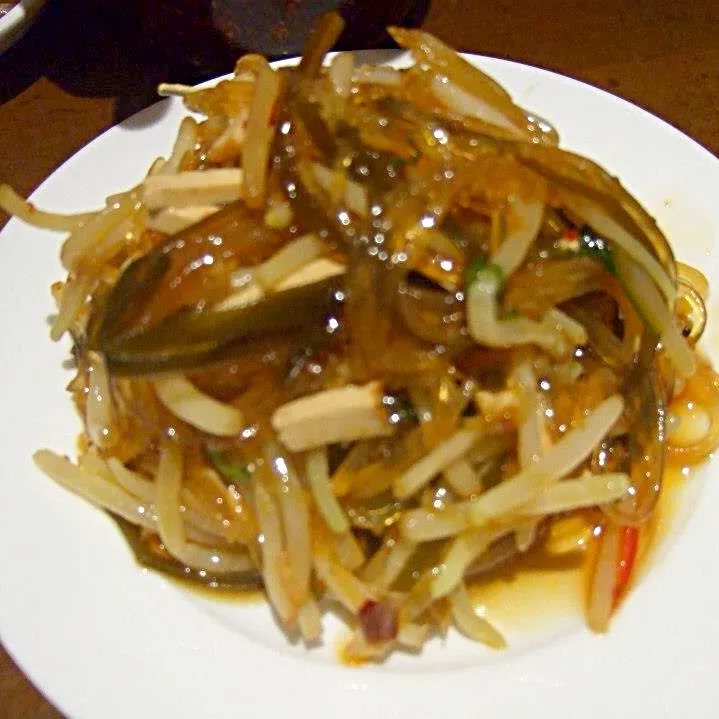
x=101 y=637
x=14 y=25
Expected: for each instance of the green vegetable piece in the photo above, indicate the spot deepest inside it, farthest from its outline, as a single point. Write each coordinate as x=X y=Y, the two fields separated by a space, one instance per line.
x=232 y=472
x=596 y=248
x=473 y=269
x=480 y=270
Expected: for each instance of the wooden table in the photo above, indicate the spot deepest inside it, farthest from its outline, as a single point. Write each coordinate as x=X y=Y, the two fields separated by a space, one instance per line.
x=70 y=79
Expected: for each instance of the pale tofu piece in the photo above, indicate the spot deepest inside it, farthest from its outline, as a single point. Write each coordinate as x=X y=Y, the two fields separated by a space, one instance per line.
x=173 y=219
x=336 y=415
x=497 y=405
x=314 y=271
x=291 y=258
x=248 y=295
x=199 y=187
x=320 y=269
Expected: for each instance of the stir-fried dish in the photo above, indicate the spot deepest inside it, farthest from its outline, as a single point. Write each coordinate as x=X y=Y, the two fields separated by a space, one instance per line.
x=367 y=334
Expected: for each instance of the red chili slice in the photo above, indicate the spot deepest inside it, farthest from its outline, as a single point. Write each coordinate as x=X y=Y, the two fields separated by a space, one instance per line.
x=378 y=621
x=628 y=543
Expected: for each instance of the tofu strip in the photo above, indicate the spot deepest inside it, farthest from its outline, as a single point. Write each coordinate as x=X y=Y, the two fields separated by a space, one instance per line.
x=336 y=415
x=202 y=187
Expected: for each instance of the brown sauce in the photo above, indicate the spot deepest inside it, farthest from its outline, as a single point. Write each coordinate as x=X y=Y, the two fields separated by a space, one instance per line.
x=226 y=595
x=540 y=587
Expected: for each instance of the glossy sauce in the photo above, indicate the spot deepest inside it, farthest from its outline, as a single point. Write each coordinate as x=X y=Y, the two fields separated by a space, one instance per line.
x=219 y=594
x=538 y=589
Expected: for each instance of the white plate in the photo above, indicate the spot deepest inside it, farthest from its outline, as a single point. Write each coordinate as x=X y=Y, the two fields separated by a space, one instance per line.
x=15 y=24
x=102 y=638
